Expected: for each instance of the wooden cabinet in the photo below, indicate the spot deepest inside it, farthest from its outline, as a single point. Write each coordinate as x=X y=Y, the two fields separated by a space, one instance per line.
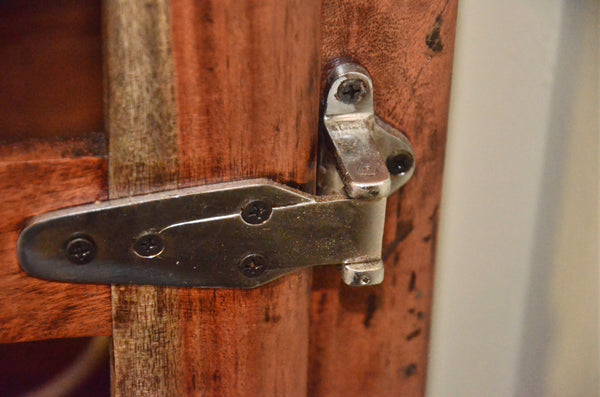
x=198 y=92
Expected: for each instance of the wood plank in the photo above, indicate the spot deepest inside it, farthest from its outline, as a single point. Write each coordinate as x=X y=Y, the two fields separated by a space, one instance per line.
x=37 y=177
x=248 y=75
x=141 y=120
x=247 y=91
x=373 y=341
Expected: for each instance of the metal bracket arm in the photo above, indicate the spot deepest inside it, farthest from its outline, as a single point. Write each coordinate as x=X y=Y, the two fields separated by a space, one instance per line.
x=202 y=238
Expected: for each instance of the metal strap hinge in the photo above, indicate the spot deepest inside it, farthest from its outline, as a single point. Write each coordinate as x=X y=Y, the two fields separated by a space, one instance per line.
x=241 y=234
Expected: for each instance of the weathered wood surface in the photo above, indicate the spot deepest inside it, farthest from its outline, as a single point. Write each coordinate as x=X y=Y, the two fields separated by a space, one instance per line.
x=373 y=341
x=247 y=92
x=37 y=177
x=228 y=119
x=141 y=120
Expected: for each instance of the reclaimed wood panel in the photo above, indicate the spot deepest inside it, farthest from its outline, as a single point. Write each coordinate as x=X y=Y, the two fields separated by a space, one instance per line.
x=407 y=48
x=373 y=341
x=247 y=93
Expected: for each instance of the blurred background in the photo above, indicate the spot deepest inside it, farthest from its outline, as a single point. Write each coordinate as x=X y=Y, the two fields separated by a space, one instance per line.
x=517 y=287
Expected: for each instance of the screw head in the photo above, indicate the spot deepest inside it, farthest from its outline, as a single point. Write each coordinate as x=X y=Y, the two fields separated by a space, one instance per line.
x=253 y=265
x=351 y=91
x=148 y=245
x=400 y=163
x=80 y=250
x=256 y=212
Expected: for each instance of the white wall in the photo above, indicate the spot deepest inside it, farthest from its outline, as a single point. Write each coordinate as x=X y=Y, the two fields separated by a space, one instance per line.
x=517 y=274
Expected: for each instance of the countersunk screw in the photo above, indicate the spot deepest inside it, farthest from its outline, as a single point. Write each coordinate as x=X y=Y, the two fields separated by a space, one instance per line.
x=253 y=265
x=256 y=212
x=399 y=163
x=351 y=91
x=148 y=245
x=80 y=250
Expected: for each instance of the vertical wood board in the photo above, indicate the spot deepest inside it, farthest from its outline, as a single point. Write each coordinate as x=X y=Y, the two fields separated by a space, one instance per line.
x=141 y=119
x=373 y=341
x=247 y=96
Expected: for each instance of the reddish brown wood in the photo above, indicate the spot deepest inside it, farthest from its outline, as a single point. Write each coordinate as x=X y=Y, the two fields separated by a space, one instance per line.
x=247 y=83
x=248 y=94
x=50 y=85
x=51 y=69
x=373 y=341
x=254 y=339
x=248 y=75
x=37 y=177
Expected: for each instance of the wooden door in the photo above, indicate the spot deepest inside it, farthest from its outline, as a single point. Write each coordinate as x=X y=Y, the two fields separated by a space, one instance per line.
x=198 y=92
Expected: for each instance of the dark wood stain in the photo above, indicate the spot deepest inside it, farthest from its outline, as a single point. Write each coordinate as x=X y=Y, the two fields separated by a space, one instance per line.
x=269 y=317
x=370 y=310
x=413 y=281
x=413 y=334
x=410 y=370
x=434 y=40
x=247 y=94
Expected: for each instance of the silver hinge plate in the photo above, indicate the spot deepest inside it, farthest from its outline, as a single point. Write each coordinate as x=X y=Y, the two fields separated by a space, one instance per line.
x=241 y=234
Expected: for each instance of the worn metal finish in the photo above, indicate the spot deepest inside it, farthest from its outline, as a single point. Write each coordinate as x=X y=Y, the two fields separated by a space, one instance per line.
x=351 y=91
x=361 y=143
x=257 y=212
x=206 y=241
x=80 y=250
x=242 y=234
x=148 y=245
x=362 y=274
x=364 y=157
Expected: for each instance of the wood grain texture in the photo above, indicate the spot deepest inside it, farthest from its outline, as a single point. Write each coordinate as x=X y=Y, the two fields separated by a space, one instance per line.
x=247 y=92
x=37 y=177
x=50 y=94
x=140 y=109
x=141 y=120
x=51 y=68
x=248 y=74
x=248 y=95
x=234 y=122
x=373 y=341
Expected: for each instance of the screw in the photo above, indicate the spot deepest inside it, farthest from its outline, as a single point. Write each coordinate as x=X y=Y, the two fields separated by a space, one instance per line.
x=80 y=250
x=256 y=212
x=253 y=265
x=148 y=245
x=399 y=163
x=351 y=91
x=364 y=280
